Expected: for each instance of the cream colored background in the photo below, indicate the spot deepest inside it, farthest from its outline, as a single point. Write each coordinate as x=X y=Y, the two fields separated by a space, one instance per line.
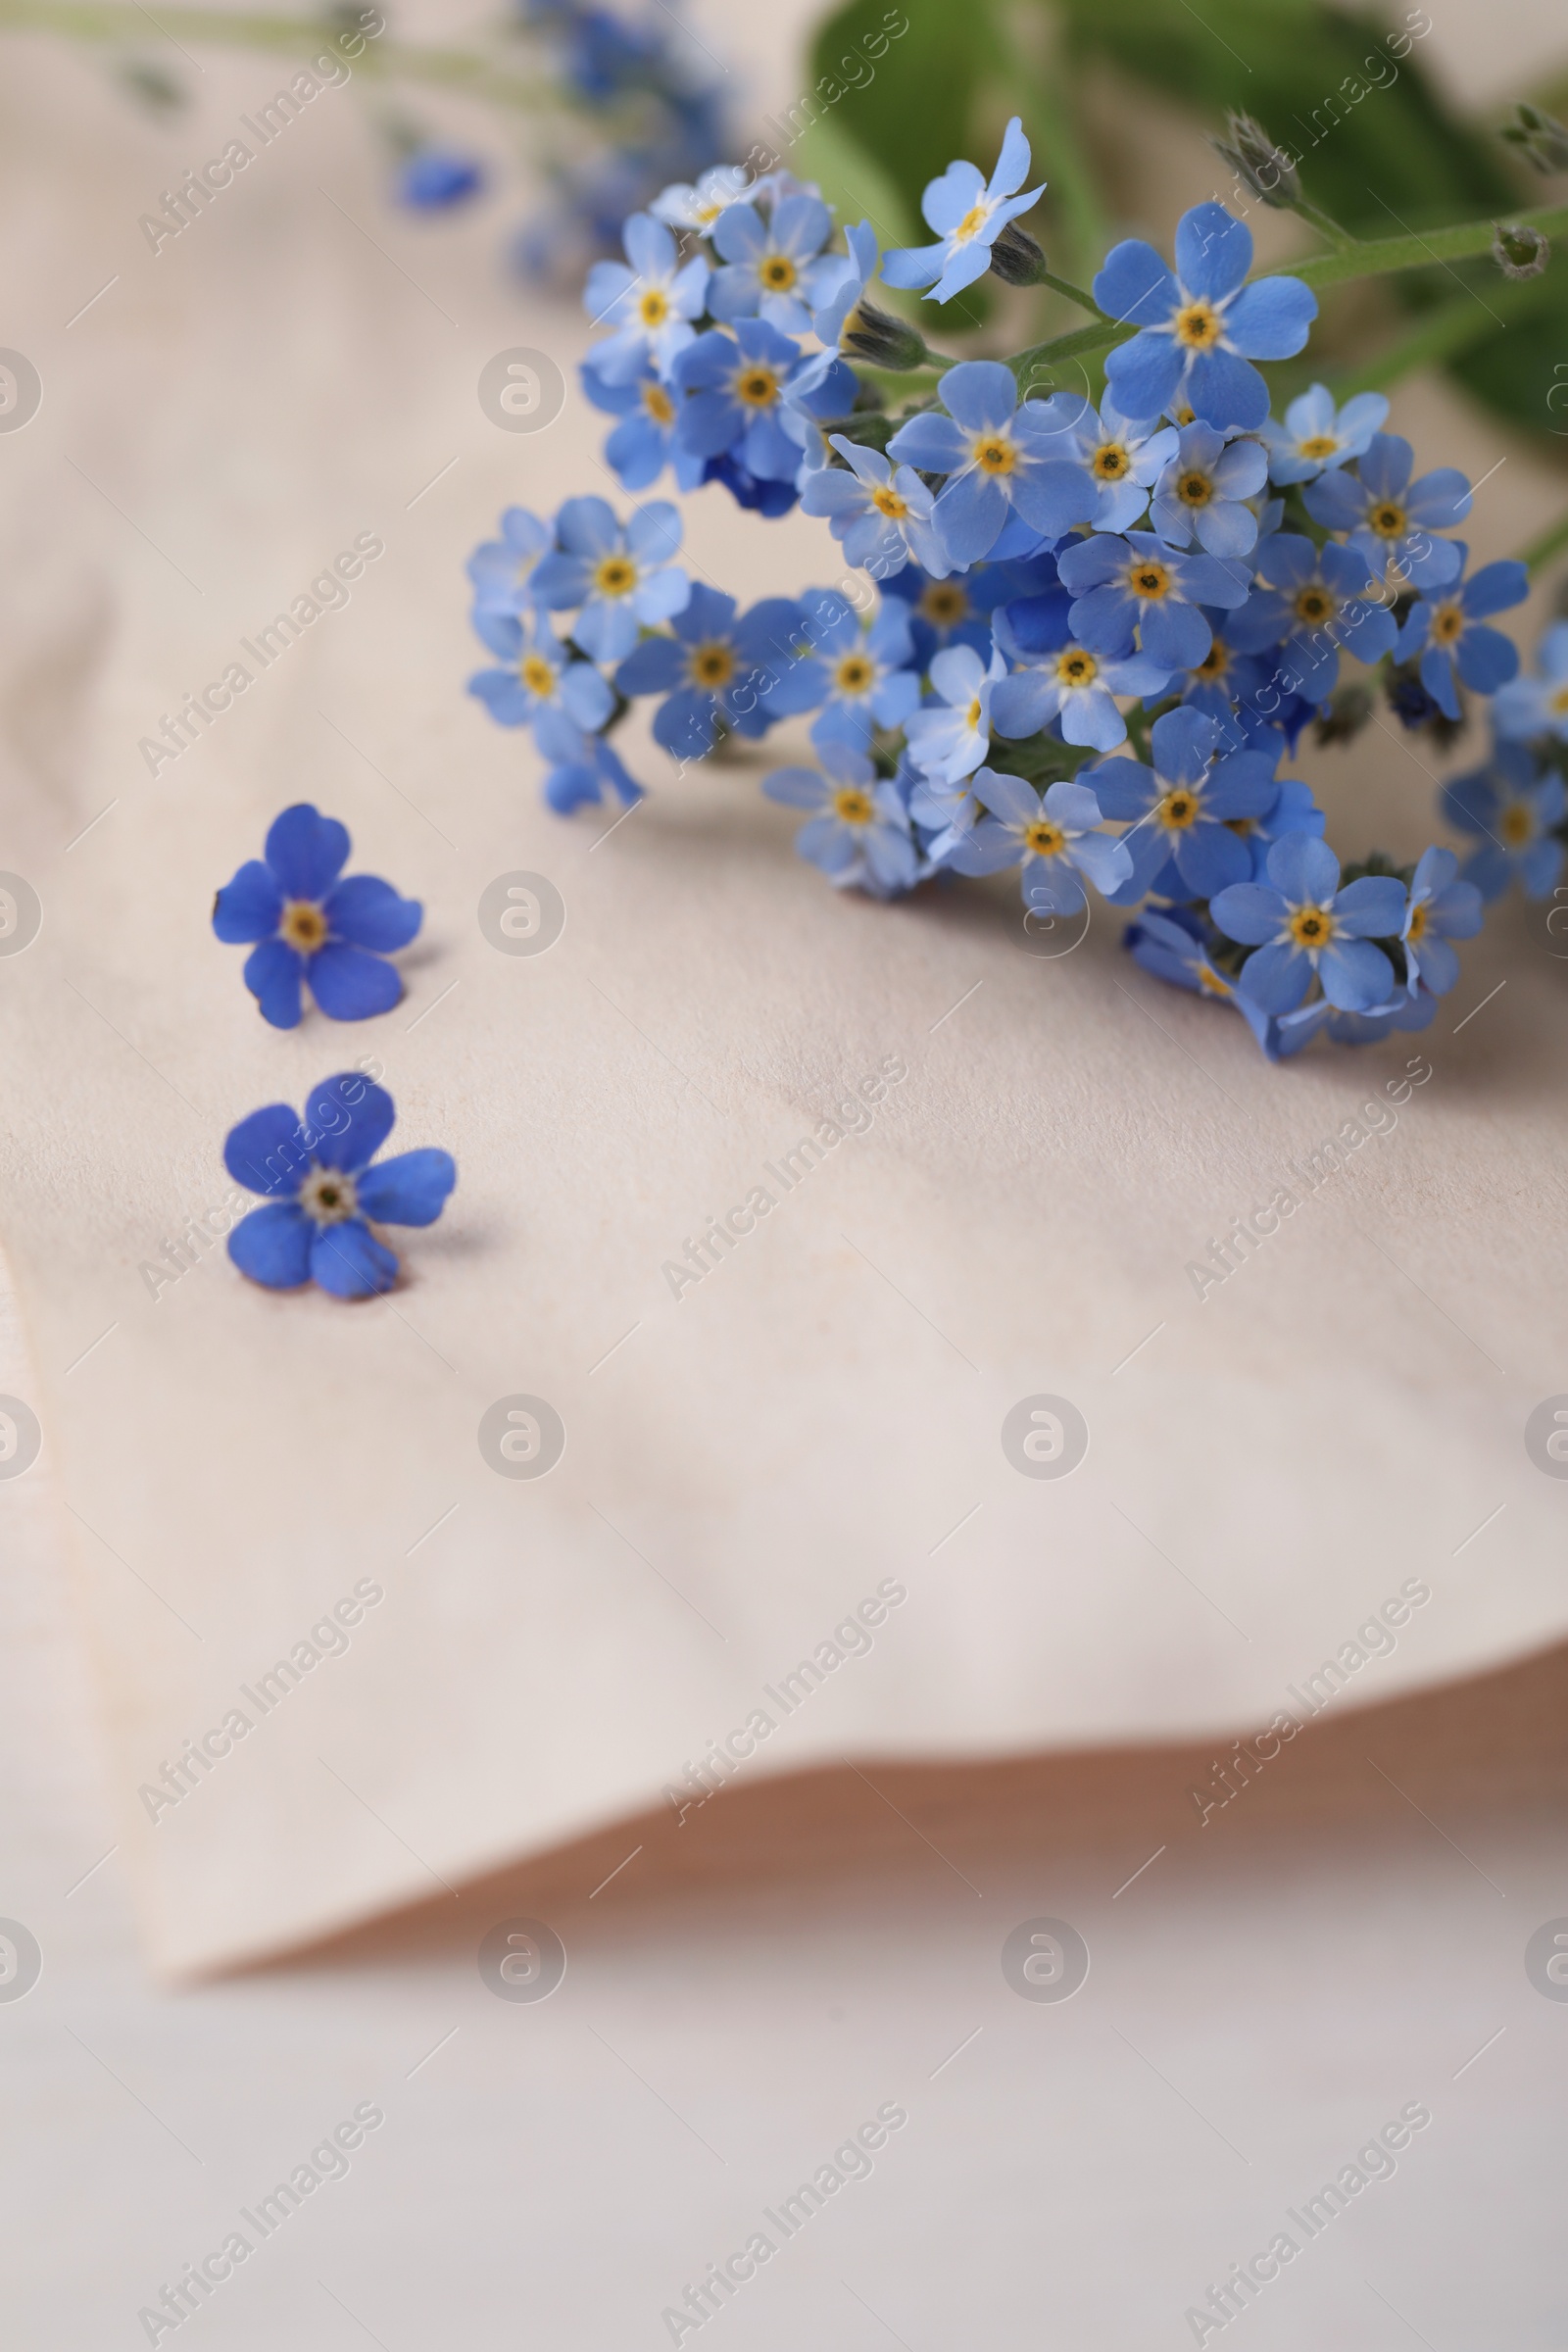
x=805 y=1423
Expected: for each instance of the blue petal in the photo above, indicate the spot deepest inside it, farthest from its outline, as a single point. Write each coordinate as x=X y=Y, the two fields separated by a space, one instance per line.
x=350 y=1262
x=1224 y=389
x=248 y=908
x=1305 y=871
x=1248 y=912
x=1183 y=744
x=1356 y=975
x=1372 y=908
x=969 y=517
x=266 y=1152
x=1144 y=374
x=1494 y=587
x=350 y=985
x=272 y=1246
x=1271 y=320
x=1487 y=659
x=306 y=851
x=272 y=973
x=980 y=394
x=1276 y=977
x=652 y=668
x=1209 y=859
x=368 y=914
x=408 y=1189
x=1177 y=636
x=1213 y=251
x=349 y=1120
x=1135 y=285
x=1053 y=496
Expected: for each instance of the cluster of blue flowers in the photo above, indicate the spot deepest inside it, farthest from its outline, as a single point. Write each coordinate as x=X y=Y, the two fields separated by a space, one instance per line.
x=1096 y=634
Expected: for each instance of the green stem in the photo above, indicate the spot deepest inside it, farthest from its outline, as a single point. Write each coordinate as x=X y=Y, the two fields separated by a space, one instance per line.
x=1550 y=542
x=1084 y=302
x=109 y=21
x=1377 y=256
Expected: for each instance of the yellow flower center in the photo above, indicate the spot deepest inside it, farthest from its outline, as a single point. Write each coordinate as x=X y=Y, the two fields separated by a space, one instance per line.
x=1318 y=445
x=853 y=805
x=889 y=503
x=711 y=664
x=328 y=1196
x=1178 y=809
x=1195 y=489
x=1557 y=704
x=1387 y=519
x=1110 y=462
x=1447 y=623
x=973 y=221
x=615 y=575
x=1180 y=415
x=1043 y=838
x=1211 y=983
x=653 y=307
x=1216 y=662
x=1418 y=922
x=757 y=387
x=1149 y=579
x=537 y=674
x=944 y=604
x=994 y=455
x=854 y=674
x=777 y=273
x=1197 y=326
x=1516 y=825
x=1241 y=826
x=657 y=401
x=971 y=717
x=1313 y=605
x=1077 y=668
x=303 y=925
x=1311 y=927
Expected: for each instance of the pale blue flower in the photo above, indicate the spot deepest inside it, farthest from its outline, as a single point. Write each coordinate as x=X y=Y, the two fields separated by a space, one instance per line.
x=1316 y=436
x=650 y=300
x=967 y=214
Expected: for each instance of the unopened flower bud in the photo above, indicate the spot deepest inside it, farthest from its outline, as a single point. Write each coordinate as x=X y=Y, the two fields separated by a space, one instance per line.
x=1543 y=139
x=1016 y=259
x=1346 y=713
x=1519 y=252
x=882 y=340
x=1268 y=171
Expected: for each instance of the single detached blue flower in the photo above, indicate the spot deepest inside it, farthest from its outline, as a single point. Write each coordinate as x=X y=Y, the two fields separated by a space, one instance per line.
x=1440 y=909
x=435 y=180
x=1316 y=436
x=881 y=517
x=1449 y=632
x=1537 y=705
x=1180 y=811
x=1300 y=923
x=735 y=384
x=950 y=738
x=1055 y=837
x=867 y=681
x=968 y=214
x=310 y=927
x=1517 y=813
x=717 y=670
x=1135 y=587
x=771 y=268
x=996 y=457
x=644 y=442
x=1198 y=330
x=1315 y=601
x=860 y=835
x=650 y=300
x=1067 y=683
x=502 y=569
x=619 y=581
x=1122 y=455
x=1199 y=494
x=324 y=1196
x=1390 y=519
x=539 y=675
